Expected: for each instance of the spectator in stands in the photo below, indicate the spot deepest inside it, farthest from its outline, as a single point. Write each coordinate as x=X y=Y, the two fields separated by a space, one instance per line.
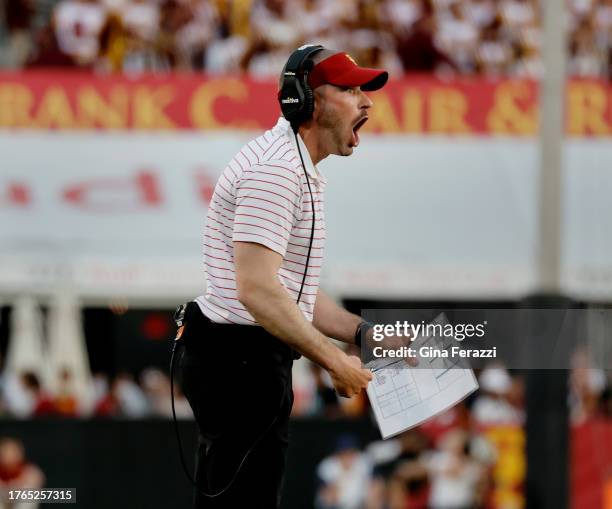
x=47 y=52
x=319 y=17
x=586 y=58
x=481 y=12
x=457 y=481
x=232 y=17
x=495 y=403
x=603 y=19
x=16 y=472
x=399 y=16
x=118 y=50
x=387 y=457
x=129 y=40
x=224 y=54
x=65 y=402
x=518 y=14
x=343 y=476
x=130 y=398
x=124 y=398
x=17 y=400
x=274 y=34
x=41 y=403
x=458 y=35
x=526 y=59
x=156 y=387
x=193 y=37
x=494 y=52
x=141 y=19
x=417 y=50
x=78 y=28
x=105 y=403
x=18 y=15
x=587 y=388
x=580 y=8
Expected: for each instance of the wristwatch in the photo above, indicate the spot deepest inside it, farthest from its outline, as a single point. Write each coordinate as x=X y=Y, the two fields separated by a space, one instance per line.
x=362 y=328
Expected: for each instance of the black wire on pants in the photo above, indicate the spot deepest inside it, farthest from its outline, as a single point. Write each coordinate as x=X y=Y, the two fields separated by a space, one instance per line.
x=177 y=341
x=180 y=444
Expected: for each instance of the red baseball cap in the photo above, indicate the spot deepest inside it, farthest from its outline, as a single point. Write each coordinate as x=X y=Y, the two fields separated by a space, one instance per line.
x=342 y=71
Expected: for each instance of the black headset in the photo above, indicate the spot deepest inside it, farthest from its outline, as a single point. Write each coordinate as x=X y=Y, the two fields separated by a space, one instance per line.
x=295 y=96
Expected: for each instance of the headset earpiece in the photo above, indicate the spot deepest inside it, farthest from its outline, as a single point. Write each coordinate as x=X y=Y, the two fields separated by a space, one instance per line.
x=308 y=93
x=296 y=97
x=308 y=103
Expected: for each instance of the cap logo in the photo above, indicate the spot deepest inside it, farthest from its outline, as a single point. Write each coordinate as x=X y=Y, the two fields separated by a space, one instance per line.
x=350 y=58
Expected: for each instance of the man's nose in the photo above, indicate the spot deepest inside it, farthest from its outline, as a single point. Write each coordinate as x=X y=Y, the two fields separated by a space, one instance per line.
x=365 y=101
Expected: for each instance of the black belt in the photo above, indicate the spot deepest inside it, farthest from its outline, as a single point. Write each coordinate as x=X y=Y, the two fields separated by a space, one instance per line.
x=253 y=340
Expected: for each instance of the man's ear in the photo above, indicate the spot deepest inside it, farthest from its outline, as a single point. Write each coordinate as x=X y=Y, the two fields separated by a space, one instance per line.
x=318 y=97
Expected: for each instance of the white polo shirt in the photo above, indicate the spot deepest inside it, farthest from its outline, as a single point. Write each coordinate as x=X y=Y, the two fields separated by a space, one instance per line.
x=262 y=197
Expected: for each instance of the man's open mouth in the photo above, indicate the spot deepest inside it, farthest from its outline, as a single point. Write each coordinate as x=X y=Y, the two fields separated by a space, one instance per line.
x=356 y=127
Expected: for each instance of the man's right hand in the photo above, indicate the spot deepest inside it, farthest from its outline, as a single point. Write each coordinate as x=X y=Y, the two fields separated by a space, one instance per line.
x=348 y=377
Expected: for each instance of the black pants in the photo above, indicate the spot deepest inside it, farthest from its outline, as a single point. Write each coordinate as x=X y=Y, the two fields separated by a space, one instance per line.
x=237 y=380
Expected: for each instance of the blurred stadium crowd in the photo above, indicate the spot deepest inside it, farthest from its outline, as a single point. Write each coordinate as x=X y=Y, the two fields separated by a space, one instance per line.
x=121 y=396
x=485 y=37
x=458 y=459
x=147 y=394
x=467 y=457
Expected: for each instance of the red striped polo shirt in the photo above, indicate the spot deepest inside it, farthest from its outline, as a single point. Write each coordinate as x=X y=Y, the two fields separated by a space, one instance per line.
x=262 y=197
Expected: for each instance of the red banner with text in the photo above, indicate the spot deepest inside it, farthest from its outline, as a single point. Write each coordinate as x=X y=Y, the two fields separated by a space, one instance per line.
x=413 y=105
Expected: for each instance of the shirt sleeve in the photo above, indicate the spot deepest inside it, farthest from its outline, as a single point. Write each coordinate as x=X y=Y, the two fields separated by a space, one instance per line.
x=267 y=205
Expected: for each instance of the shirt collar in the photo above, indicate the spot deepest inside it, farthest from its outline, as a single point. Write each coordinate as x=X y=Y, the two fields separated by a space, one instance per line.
x=284 y=126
